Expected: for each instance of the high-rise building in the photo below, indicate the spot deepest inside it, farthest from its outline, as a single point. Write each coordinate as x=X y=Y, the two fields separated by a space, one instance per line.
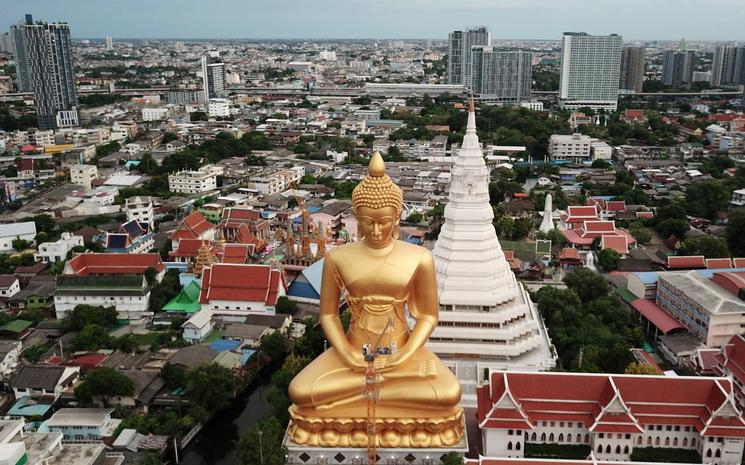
x=44 y=66
x=728 y=66
x=677 y=68
x=6 y=43
x=213 y=77
x=487 y=320
x=109 y=43
x=460 y=44
x=501 y=76
x=590 y=71
x=632 y=68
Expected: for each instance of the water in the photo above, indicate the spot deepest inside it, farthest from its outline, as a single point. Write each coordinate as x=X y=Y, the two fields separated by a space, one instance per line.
x=216 y=443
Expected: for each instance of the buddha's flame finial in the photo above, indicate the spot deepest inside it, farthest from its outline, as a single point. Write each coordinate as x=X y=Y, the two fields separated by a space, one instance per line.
x=376 y=167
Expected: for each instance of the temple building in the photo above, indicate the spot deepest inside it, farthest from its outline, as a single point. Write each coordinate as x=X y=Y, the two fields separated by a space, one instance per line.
x=487 y=320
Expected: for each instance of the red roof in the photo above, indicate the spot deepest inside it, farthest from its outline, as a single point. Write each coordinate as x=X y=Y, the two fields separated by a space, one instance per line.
x=241 y=213
x=599 y=226
x=732 y=281
x=189 y=248
x=657 y=316
x=644 y=214
x=617 y=243
x=87 y=264
x=616 y=206
x=612 y=403
x=714 y=263
x=738 y=262
x=733 y=355
x=243 y=283
x=583 y=210
x=194 y=226
x=236 y=253
x=685 y=262
x=569 y=253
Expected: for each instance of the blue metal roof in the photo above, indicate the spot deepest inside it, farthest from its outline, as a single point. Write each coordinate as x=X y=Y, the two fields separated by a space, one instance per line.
x=246 y=355
x=302 y=289
x=222 y=345
x=647 y=277
x=26 y=407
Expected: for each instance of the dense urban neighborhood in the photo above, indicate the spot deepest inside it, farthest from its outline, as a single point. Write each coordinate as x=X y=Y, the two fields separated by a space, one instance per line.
x=166 y=207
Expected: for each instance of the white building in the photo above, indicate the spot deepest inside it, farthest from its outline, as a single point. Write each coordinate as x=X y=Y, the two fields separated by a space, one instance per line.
x=10 y=232
x=79 y=424
x=248 y=289
x=600 y=150
x=154 y=113
x=487 y=320
x=83 y=175
x=192 y=182
x=738 y=199
x=219 y=107
x=278 y=181
x=574 y=148
x=337 y=157
x=611 y=414
x=140 y=209
x=53 y=252
x=9 y=286
x=198 y=327
x=532 y=105
x=10 y=353
x=327 y=55
x=590 y=71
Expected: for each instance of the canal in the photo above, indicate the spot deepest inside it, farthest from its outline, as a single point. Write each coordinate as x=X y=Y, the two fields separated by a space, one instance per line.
x=216 y=443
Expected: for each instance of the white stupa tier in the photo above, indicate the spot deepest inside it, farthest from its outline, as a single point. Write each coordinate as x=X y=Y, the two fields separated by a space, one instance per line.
x=548 y=216
x=487 y=320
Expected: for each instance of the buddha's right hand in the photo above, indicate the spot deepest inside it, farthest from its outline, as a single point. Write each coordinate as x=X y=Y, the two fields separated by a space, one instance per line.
x=353 y=359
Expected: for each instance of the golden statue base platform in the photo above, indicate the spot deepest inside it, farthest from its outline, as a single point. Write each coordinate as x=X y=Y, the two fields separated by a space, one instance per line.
x=407 y=433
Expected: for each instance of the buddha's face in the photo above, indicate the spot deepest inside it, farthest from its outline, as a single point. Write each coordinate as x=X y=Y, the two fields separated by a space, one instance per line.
x=376 y=225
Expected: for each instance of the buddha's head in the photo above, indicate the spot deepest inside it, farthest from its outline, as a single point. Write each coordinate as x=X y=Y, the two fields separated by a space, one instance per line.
x=377 y=204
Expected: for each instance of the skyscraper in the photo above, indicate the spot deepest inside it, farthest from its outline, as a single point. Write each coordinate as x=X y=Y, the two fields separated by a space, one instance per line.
x=460 y=44
x=213 y=77
x=109 y=43
x=677 y=68
x=6 y=43
x=590 y=71
x=501 y=76
x=44 y=66
x=728 y=66
x=632 y=68
x=487 y=320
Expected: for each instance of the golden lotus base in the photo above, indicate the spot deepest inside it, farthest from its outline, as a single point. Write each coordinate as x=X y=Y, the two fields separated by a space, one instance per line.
x=432 y=432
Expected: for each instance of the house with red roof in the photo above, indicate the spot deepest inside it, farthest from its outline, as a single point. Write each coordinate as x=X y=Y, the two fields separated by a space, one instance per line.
x=108 y=280
x=194 y=226
x=584 y=236
x=634 y=117
x=235 y=217
x=253 y=289
x=612 y=414
x=577 y=215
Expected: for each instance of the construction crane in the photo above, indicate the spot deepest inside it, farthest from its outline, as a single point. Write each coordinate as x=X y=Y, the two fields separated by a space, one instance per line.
x=372 y=391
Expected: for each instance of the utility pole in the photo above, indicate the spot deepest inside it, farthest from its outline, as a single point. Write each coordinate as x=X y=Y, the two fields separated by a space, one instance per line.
x=261 y=448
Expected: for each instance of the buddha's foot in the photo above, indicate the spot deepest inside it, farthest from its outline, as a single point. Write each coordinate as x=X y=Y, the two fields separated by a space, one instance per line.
x=390 y=432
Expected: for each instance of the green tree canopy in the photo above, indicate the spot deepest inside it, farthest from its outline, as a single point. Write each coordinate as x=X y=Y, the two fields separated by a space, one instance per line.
x=586 y=284
x=707 y=198
x=708 y=246
x=210 y=386
x=262 y=444
x=103 y=383
x=736 y=232
x=608 y=259
x=84 y=315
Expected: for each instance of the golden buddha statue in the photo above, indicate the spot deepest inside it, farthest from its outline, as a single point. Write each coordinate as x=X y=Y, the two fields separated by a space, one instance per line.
x=419 y=398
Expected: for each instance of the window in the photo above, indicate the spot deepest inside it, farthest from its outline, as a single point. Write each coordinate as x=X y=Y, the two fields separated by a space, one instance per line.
x=509 y=445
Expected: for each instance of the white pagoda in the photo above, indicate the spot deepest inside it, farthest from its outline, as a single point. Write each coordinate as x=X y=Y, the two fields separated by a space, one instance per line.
x=487 y=320
x=548 y=216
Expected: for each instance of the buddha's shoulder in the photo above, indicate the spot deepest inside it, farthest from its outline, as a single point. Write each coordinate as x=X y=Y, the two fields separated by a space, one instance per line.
x=413 y=251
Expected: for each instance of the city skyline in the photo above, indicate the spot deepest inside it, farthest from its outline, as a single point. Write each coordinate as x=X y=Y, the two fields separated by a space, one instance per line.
x=415 y=19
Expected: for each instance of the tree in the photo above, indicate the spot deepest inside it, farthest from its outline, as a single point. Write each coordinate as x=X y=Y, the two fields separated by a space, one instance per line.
x=708 y=246
x=285 y=305
x=92 y=337
x=415 y=218
x=736 y=231
x=20 y=244
x=149 y=458
x=103 y=384
x=210 y=386
x=707 y=198
x=84 y=315
x=273 y=345
x=673 y=227
x=174 y=376
x=602 y=164
x=586 y=284
x=262 y=444
x=150 y=275
x=608 y=259
x=640 y=233
x=636 y=368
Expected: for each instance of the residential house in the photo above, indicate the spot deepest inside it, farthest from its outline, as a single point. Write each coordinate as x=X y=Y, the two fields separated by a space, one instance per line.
x=10 y=232
x=44 y=383
x=78 y=424
x=53 y=252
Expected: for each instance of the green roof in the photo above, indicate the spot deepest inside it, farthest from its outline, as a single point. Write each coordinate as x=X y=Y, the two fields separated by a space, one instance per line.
x=626 y=294
x=81 y=282
x=186 y=301
x=16 y=326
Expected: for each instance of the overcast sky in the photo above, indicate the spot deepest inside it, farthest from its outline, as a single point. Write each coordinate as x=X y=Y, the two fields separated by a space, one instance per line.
x=427 y=19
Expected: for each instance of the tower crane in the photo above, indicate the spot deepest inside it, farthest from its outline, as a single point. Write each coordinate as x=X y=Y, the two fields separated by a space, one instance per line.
x=372 y=390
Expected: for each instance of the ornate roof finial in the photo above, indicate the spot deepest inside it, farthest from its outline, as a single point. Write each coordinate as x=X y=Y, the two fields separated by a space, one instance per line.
x=471 y=106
